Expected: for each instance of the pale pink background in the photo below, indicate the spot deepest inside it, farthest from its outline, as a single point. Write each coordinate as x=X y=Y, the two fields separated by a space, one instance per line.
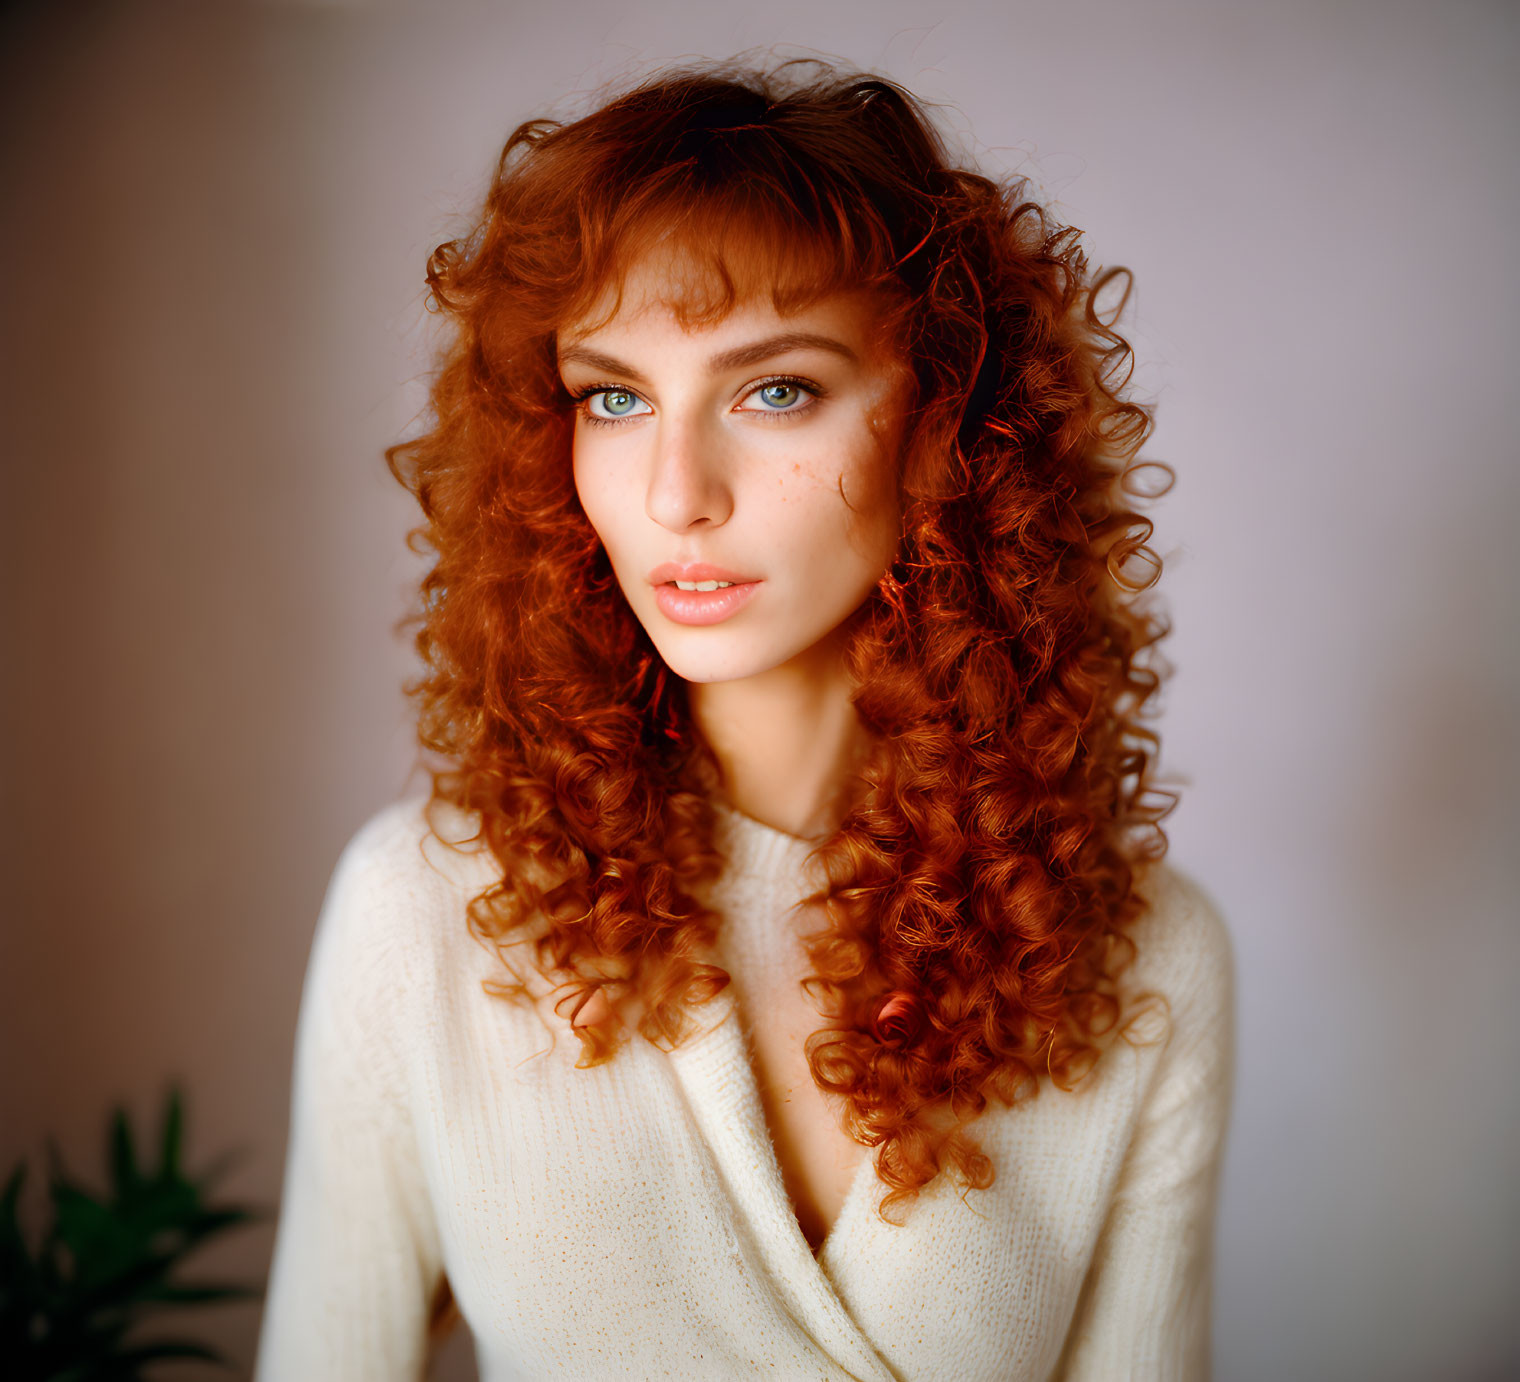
x=215 y=224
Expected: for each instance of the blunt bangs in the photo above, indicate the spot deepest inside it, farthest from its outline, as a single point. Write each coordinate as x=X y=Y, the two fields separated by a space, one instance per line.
x=723 y=243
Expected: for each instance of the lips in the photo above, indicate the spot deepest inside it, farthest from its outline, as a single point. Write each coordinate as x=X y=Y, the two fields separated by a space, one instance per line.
x=698 y=607
x=670 y=571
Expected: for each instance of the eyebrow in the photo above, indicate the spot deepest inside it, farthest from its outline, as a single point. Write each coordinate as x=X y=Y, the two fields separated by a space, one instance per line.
x=737 y=358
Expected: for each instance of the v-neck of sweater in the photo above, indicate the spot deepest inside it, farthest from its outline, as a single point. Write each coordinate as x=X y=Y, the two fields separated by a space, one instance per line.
x=433 y=1125
x=765 y=876
x=755 y=850
x=767 y=873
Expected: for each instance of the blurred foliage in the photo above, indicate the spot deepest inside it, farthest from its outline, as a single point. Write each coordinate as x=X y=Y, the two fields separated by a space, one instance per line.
x=104 y=1263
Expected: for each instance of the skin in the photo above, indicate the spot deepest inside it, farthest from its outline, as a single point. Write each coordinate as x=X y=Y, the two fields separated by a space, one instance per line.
x=683 y=457
x=694 y=461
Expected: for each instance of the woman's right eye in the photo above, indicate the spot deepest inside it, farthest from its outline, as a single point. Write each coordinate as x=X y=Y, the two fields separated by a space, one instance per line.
x=612 y=405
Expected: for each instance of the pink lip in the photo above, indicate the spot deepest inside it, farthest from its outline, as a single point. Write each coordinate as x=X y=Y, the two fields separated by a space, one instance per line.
x=700 y=606
x=703 y=606
x=696 y=571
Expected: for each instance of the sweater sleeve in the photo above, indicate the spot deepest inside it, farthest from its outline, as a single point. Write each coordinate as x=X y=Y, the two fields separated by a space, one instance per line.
x=1145 y=1311
x=356 y=1256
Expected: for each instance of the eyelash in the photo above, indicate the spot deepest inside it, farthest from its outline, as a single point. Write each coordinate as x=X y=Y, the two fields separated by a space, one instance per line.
x=582 y=396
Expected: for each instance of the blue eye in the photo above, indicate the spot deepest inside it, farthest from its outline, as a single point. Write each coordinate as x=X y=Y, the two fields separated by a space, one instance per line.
x=785 y=397
x=780 y=395
x=615 y=403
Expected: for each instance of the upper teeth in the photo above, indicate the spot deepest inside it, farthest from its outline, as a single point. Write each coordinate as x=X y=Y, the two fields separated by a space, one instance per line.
x=703 y=585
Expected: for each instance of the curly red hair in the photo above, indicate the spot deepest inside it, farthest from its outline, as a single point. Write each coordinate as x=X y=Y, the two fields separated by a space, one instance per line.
x=980 y=887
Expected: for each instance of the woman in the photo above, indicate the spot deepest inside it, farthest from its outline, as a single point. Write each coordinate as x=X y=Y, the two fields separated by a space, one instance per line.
x=781 y=977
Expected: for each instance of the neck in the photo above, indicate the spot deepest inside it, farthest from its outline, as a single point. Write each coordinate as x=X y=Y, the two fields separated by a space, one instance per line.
x=787 y=742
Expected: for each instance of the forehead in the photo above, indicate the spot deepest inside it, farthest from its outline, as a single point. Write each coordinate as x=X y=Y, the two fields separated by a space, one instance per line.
x=673 y=294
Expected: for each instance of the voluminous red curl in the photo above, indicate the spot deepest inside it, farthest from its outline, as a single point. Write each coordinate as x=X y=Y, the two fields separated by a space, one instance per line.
x=981 y=884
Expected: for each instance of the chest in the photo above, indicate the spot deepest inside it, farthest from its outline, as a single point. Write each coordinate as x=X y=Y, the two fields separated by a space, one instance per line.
x=541 y=1173
x=818 y=1160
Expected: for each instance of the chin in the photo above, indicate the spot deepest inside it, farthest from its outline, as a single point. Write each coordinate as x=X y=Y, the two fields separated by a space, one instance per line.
x=716 y=654
x=709 y=666
x=719 y=653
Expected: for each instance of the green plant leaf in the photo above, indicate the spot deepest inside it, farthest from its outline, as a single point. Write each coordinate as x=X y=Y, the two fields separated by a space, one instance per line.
x=10 y=1199
x=171 y=1348
x=20 y=1286
x=124 y=1173
x=171 y=1293
x=221 y=1166
x=205 y=1222
x=135 y=1281
x=104 y=1262
x=172 y=1139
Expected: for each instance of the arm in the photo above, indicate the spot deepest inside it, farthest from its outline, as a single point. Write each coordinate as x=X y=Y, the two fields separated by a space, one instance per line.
x=1145 y=1312
x=356 y=1261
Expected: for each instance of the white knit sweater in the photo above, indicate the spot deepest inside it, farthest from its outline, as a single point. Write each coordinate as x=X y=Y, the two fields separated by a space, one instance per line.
x=630 y=1220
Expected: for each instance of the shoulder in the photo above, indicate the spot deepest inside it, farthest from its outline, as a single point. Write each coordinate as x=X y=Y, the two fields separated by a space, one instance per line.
x=413 y=850
x=1180 y=985
x=413 y=842
x=1182 y=945
x=400 y=888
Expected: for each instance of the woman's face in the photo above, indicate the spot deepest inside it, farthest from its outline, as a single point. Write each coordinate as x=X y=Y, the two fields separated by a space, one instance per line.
x=758 y=453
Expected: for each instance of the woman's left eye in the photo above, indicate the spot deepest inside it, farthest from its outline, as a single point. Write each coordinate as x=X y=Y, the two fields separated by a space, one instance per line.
x=780 y=396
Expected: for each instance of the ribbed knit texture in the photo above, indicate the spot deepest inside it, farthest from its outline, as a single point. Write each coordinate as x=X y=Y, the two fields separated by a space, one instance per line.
x=630 y=1220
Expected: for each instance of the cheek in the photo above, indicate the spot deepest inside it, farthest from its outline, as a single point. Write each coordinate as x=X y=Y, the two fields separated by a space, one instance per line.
x=863 y=493
x=842 y=525
x=579 y=473
x=594 y=487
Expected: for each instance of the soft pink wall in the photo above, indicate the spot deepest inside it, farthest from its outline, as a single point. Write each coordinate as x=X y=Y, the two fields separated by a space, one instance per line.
x=215 y=221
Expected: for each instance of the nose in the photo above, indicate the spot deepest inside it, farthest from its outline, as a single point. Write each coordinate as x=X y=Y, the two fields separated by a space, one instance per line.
x=688 y=478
